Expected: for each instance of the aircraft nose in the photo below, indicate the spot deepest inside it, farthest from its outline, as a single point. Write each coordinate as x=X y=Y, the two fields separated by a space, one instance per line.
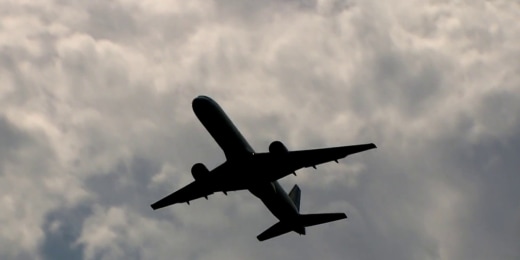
x=201 y=103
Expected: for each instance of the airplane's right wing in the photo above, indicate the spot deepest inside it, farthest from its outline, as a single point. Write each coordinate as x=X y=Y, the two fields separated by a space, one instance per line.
x=190 y=192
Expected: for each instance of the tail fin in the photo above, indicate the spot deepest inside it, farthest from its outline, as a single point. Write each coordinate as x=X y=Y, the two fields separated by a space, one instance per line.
x=295 y=195
x=307 y=220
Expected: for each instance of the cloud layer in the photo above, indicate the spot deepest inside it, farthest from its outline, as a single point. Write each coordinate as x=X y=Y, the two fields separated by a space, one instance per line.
x=96 y=124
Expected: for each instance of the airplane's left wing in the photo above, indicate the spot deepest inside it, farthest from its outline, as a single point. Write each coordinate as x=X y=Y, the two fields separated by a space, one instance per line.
x=190 y=192
x=295 y=160
x=310 y=158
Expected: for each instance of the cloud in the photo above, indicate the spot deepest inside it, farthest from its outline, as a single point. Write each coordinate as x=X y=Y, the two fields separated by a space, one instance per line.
x=96 y=124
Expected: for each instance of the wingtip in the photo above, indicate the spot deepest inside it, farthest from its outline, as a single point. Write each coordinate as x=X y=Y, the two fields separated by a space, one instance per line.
x=374 y=145
x=156 y=206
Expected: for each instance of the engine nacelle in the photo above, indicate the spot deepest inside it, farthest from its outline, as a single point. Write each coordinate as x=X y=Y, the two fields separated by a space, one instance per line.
x=199 y=171
x=278 y=148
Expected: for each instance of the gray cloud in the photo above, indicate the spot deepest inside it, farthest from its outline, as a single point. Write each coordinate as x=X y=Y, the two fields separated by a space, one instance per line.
x=96 y=124
x=62 y=228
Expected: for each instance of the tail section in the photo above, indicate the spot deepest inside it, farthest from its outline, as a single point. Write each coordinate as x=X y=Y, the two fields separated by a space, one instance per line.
x=308 y=220
x=295 y=195
x=299 y=224
x=277 y=229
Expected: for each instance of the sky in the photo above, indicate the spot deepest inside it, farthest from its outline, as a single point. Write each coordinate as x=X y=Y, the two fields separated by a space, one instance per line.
x=96 y=124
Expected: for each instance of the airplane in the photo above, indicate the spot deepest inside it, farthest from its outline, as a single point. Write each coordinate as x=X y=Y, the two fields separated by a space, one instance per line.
x=244 y=169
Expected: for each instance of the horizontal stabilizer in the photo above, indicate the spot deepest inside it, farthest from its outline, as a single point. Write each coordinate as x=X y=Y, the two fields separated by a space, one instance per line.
x=277 y=229
x=316 y=219
x=299 y=225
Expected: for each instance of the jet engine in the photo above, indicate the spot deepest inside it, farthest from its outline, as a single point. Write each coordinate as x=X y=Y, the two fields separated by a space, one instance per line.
x=278 y=148
x=199 y=171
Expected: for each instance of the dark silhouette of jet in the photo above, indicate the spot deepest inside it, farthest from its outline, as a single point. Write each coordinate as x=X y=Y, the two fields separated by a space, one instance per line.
x=244 y=169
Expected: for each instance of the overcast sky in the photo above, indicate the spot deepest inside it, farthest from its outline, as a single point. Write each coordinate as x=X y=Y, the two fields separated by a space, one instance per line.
x=96 y=124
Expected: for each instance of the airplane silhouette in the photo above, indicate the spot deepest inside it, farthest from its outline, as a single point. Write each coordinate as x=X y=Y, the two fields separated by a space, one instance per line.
x=244 y=169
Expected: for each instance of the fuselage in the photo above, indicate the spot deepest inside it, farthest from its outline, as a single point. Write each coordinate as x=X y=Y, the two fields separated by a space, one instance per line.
x=239 y=163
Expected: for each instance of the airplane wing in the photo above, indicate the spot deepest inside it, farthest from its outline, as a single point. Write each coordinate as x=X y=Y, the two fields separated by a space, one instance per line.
x=292 y=161
x=295 y=160
x=311 y=158
x=192 y=191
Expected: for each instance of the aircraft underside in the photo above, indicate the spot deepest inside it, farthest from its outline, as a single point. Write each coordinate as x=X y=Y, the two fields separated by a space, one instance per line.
x=245 y=169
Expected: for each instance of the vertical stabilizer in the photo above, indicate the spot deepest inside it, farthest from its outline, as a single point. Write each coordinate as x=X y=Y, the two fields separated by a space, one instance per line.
x=295 y=196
